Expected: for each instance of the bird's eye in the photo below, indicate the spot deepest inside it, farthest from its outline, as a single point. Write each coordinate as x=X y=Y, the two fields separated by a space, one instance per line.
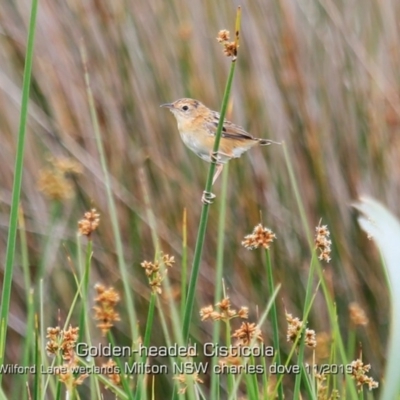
x=185 y=108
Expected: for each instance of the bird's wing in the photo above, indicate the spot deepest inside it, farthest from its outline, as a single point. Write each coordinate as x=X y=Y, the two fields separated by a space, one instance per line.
x=229 y=129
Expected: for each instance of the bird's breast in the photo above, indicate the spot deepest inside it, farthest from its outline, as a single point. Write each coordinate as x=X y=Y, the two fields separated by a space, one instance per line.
x=196 y=144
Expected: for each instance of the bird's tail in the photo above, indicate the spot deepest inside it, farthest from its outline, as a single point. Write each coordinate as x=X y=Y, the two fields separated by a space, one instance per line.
x=267 y=142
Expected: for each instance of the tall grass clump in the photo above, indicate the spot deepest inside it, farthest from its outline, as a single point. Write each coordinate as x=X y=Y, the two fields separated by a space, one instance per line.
x=117 y=282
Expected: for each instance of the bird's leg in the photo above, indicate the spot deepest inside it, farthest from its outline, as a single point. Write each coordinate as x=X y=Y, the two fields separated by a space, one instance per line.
x=217 y=172
x=208 y=197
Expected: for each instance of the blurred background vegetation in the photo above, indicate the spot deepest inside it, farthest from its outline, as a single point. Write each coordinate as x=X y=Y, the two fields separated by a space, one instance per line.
x=321 y=76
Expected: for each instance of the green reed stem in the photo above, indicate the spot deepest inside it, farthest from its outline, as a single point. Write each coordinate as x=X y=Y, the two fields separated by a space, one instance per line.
x=83 y=326
x=306 y=308
x=184 y=263
x=36 y=380
x=218 y=272
x=30 y=319
x=274 y=316
x=230 y=378
x=205 y=210
x=16 y=192
x=146 y=342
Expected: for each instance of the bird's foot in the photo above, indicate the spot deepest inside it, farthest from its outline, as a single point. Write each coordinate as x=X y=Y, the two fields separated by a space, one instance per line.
x=207 y=197
x=216 y=156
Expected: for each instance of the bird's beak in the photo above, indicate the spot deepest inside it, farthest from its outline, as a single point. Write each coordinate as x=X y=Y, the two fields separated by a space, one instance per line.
x=167 y=105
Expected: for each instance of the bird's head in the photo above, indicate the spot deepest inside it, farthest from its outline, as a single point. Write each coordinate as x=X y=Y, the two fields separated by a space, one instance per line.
x=185 y=109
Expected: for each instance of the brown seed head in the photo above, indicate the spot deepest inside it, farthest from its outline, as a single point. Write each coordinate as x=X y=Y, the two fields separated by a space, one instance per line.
x=357 y=315
x=105 y=313
x=224 y=304
x=54 y=185
x=246 y=333
x=206 y=312
x=243 y=312
x=62 y=341
x=53 y=181
x=360 y=375
x=225 y=312
x=322 y=243
x=185 y=379
x=323 y=349
x=261 y=237
x=89 y=223
x=157 y=270
x=223 y=36
x=230 y=48
x=310 y=338
x=294 y=329
x=114 y=377
x=67 y=165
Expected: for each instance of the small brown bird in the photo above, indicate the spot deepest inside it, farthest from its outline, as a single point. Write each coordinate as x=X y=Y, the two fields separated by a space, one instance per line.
x=197 y=126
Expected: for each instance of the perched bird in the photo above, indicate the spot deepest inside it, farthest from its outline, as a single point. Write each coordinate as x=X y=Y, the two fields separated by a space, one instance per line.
x=197 y=126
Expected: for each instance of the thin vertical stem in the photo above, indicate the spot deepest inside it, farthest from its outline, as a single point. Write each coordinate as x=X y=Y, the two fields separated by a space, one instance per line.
x=205 y=210
x=16 y=193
